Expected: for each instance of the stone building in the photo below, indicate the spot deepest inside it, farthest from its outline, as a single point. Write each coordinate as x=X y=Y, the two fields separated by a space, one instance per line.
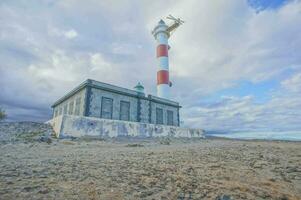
x=101 y=100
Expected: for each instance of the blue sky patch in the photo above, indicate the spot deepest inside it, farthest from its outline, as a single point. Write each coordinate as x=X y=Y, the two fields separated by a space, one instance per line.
x=260 y=5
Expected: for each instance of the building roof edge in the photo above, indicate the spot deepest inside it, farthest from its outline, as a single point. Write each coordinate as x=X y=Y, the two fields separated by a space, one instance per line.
x=115 y=89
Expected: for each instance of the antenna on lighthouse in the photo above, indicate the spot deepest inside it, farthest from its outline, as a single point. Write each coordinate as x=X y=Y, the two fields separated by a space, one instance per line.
x=176 y=24
x=162 y=33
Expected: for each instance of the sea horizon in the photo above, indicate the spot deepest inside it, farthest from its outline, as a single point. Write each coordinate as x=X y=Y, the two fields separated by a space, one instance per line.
x=261 y=135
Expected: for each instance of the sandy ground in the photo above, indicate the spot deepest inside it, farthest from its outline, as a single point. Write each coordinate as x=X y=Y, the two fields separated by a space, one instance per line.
x=148 y=169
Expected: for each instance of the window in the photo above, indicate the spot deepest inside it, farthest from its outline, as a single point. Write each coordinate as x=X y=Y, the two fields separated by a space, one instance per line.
x=106 y=107
x=71 y=108
x=65 y=109
x=55 y=113
x=169 y=117
x=159 y=116
x=60 y=111
x=124 y=110
x=77 y=106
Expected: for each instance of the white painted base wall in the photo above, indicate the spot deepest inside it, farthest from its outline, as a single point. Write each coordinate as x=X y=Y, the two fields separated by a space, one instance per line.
x=77 y=126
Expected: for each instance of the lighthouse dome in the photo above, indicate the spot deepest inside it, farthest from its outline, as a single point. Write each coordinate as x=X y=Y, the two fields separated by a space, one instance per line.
x=139 y=89
x=161 y=21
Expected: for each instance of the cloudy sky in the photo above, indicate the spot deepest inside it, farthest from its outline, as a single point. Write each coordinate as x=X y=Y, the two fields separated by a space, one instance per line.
x=235 y=64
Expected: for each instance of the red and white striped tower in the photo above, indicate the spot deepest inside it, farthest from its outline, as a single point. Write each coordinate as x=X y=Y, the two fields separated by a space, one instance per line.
x=161 y=33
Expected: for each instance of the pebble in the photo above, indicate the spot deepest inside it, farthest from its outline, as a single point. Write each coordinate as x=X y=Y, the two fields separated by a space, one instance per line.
x=223 y=197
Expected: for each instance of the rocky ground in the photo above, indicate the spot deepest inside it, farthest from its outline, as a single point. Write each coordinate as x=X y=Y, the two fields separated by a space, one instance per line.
x=12 y=132
x=148 y=169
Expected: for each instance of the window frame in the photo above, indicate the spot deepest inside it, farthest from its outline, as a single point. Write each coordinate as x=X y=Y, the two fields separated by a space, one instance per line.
x=157 y=119
x=77 y=106
x=167 y=119
x=102 y=106
x=71 y=107
x=129 y=112
x=65 y=109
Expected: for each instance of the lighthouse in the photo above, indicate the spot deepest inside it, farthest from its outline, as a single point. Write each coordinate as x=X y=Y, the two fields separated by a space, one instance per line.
x=162 y=33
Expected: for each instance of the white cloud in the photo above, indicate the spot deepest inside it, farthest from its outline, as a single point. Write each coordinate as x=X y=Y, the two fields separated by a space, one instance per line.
x=68 y=34
x=220 y=44
x=225 y=42
x=280 y=113
x=98 y=63
x=293 y=84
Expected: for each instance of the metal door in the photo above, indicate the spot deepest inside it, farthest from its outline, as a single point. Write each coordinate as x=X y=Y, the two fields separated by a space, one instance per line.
x=124 y=110
x=106 y=108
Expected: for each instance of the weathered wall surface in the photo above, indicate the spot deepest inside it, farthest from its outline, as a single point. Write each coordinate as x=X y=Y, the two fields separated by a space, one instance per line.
x=154 y=106
x=95 y=104
x=71 y=106
x=78 y=126
x=102 y=100
x=144 y=111
x=56 y=124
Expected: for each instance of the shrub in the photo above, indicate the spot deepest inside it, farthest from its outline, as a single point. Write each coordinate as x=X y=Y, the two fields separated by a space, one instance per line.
x=2 y=114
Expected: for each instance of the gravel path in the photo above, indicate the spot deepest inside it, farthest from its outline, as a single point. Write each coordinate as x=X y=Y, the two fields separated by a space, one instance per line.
x=150 y=169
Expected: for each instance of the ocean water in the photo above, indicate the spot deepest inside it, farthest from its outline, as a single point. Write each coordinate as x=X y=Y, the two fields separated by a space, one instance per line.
x=265 y=135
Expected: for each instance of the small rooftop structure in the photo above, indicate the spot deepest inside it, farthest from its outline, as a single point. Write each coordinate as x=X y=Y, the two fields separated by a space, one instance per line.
x=101 y=100
x=139 y=88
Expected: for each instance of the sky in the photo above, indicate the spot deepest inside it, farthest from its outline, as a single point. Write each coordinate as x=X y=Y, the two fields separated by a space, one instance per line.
x=235 y=64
